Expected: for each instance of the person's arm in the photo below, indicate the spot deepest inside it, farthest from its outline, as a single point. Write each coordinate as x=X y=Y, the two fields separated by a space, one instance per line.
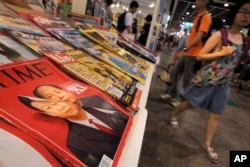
x=196 y=40
x=129 y=22
x=179 y=53
x=177 y=56
x=129 y=29
x=182 y=43
x=211 y=49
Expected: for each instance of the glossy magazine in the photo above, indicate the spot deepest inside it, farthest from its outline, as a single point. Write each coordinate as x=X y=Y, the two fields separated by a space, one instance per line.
x=63 y=113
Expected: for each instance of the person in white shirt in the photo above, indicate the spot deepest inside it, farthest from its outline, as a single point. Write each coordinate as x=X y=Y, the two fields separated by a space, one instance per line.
x=128 y=20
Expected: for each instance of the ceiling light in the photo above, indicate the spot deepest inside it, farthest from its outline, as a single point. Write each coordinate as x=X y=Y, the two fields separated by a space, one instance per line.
x=226 y=5
x=224 y=20
x=187 y=13
x=193 y=6
x=152 y=5
x=139 y=11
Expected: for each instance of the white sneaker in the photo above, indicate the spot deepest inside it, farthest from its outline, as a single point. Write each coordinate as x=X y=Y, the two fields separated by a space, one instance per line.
x=166 y=96
x=175 y=102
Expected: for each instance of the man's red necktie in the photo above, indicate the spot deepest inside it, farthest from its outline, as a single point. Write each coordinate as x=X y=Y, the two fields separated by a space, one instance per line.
x=102 y=127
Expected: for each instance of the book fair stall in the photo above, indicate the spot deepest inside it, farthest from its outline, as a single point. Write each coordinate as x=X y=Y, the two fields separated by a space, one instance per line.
x=72 y=93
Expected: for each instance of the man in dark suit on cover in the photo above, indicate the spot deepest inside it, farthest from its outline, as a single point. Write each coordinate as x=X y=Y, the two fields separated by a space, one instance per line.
x=86 y=139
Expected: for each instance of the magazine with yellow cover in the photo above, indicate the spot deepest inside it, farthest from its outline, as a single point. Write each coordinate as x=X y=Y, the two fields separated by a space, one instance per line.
x=108 y=57
x=98 y=38
x=101 y=75
x=131 y=67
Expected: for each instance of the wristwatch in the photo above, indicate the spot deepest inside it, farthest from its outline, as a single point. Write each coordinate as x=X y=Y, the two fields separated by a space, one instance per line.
x=185 y=49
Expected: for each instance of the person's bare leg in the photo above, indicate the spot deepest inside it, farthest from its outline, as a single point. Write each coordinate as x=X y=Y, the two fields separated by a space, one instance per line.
x=185 y=105
x=210 y=129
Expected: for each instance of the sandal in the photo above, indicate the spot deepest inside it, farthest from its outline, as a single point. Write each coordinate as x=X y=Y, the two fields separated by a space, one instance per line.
x=173 y=122
x=211 y=155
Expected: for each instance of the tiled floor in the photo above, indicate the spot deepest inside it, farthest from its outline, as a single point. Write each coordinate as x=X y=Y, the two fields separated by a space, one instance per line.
x=164 y=146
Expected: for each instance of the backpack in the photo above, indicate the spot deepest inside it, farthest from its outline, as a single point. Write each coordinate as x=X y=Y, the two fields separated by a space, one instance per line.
x=121 y=22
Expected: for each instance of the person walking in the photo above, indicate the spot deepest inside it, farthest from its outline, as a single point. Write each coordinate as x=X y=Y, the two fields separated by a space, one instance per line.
x=173 y=88
x=44 y=4
x=209 y=88
x=134 y=26
x=106 y=15
x=145 y=30
x=125 y=20
x=185 y=64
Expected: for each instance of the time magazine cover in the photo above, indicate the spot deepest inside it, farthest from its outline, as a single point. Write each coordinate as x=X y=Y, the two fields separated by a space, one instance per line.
x=79 y=124
x=17 y=23
x=38 y=42
x=12 y=51
x=101 y=75
x=20 y=149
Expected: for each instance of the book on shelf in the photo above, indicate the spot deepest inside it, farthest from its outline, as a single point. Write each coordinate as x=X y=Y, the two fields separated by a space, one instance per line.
x=12 y=51
x=121 y=87
x=17 y=23
x=38 y=42
x=20 y=149
x=77 y=123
